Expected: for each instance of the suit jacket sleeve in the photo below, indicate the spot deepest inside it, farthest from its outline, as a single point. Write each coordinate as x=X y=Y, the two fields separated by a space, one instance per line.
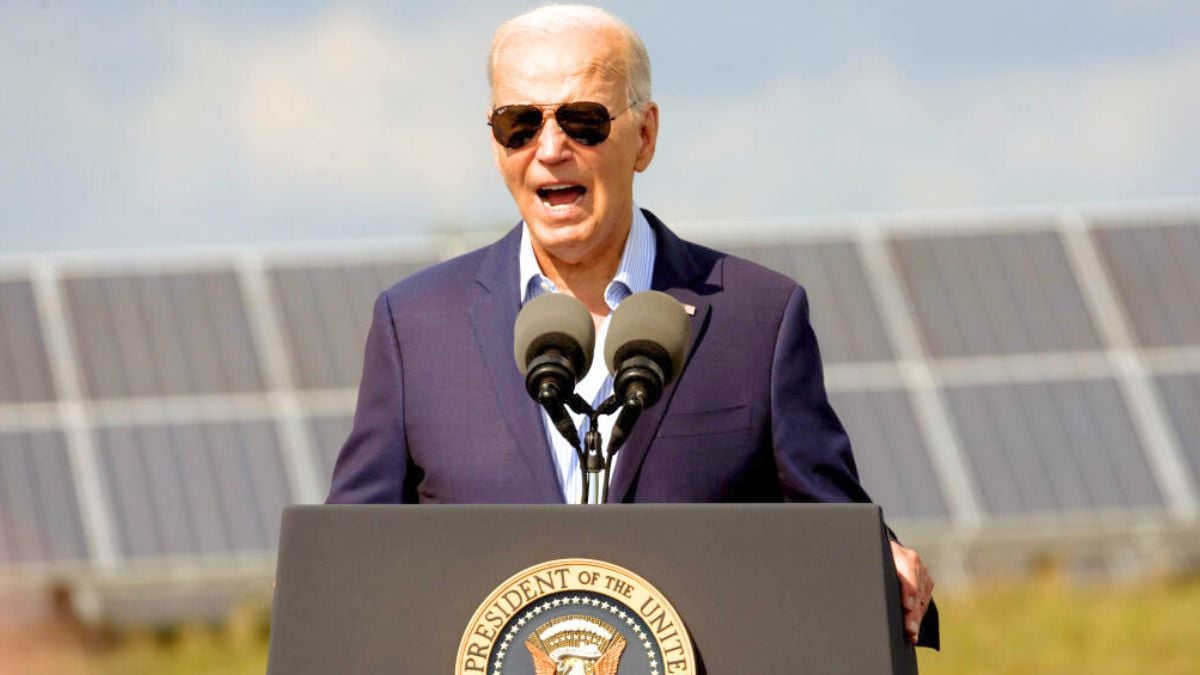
x=811 y=448
x=374 y=465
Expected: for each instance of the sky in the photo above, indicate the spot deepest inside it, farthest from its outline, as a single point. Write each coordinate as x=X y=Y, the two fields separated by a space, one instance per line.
x=133 y=124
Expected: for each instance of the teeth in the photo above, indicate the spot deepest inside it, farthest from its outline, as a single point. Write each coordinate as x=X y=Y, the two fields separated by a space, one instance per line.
x=545 y=194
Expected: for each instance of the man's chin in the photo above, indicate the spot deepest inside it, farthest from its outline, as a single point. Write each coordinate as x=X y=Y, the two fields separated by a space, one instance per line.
x=559 y=230
x=569 y=243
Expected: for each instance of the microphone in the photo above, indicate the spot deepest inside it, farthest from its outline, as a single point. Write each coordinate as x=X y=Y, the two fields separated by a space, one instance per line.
x=645 y=349
x=553 y=341
x=646 y=345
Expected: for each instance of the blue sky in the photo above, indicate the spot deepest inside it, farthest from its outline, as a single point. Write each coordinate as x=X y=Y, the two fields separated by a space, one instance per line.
x=130 y=124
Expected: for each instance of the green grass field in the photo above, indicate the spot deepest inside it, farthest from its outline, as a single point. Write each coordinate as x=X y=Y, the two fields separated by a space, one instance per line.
x=1040 y=628
x=1047 y=628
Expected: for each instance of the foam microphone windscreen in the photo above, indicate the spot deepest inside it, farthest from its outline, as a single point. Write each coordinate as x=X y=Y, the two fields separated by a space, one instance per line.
x=554 y=321
x=651 y=324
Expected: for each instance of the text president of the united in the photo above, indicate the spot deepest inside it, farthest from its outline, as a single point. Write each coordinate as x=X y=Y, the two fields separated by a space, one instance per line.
x=442 y=413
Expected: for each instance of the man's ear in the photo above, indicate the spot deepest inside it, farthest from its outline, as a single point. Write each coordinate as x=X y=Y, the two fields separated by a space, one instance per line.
x=649 y=137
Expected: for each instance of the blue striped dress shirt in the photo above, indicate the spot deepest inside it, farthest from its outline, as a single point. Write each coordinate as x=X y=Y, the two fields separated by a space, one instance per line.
x=634 y=274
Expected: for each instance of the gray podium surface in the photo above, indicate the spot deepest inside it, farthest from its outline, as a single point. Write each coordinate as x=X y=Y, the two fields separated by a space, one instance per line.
x=778 y=588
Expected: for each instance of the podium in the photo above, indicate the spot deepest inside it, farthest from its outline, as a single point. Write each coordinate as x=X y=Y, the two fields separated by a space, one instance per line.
x=771 y=588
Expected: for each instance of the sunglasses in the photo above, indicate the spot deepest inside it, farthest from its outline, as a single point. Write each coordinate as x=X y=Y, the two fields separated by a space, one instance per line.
x=584 y=122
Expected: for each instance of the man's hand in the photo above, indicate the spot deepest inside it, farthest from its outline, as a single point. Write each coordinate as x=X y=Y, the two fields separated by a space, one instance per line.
x=916 y=587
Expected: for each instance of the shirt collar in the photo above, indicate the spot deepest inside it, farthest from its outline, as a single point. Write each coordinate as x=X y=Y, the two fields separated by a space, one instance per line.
x=634 y=272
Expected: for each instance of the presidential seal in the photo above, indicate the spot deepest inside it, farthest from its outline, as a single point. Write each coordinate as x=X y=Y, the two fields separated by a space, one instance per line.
x=575 y=617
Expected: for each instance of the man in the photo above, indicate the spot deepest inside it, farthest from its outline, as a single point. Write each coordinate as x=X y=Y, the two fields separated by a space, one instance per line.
x=442 y=412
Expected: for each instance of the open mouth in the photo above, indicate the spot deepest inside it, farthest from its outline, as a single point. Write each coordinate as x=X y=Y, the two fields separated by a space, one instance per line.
x=564 y=194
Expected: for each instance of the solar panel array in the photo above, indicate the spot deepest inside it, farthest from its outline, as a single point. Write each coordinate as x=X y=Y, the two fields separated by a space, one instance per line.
x=165 y=410
x=1042 y=367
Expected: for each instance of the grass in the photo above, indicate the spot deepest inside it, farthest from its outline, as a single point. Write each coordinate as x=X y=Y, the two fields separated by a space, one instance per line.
x=237 y=646
x=1044 y=627
x=1048 y=627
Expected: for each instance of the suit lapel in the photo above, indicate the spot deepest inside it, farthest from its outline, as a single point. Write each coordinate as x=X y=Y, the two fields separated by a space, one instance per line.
x=493 y=313
x=677 y=273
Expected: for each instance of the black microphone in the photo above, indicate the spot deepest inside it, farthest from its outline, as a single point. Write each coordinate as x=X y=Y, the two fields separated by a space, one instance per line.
x=553 y=341
x=647 y=343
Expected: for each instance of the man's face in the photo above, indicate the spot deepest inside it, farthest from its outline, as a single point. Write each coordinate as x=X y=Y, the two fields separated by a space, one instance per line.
x=591 y=216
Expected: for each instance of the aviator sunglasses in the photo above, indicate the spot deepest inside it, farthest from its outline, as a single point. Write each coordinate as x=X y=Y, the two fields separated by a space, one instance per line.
x=585 y=122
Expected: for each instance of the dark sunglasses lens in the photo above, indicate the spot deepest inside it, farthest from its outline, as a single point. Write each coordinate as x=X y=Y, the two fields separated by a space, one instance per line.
x=585 y=122
x=515 y=125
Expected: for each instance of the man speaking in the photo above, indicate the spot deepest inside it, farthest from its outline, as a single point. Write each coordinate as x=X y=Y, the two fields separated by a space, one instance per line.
x=443 y=415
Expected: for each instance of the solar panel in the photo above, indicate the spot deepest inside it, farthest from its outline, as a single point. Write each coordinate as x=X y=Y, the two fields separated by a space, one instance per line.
x=890 y=453
x=1181 y=393
x=39 y=512
x=1052 y=447
x=843 y=312
x=326 y=312
x=200 y=489
x=24 y=370
x=162 y=335
x=205 y=478
x=1157 y=276
x=994 y=294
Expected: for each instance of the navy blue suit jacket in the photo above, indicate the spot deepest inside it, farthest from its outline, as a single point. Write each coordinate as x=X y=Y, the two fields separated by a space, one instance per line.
x=443 y=415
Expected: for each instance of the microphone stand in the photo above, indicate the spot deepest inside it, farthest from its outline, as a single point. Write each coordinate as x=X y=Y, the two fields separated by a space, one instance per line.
x=592 y=460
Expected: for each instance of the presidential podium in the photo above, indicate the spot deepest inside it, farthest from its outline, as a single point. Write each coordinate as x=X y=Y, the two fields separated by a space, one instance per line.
x=427 y=590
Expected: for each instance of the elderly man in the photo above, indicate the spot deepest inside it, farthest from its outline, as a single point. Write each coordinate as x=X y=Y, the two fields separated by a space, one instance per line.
x=442 y=413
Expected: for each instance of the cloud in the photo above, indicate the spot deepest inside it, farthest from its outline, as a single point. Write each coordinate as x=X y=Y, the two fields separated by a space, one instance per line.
x=154 y=127
x=869 y=137
x=339 y=112
x=348 y=106
x=161 y=126
x=1110 y=123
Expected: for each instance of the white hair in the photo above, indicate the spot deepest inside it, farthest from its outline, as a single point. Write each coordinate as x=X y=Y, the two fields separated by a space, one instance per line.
x=632 y=66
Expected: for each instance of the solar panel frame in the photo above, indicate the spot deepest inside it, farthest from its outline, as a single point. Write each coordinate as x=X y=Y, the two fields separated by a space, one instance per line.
x=1181 y=395
x=24 y=365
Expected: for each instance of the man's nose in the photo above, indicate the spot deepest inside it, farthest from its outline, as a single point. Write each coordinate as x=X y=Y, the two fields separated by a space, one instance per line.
x=552 y=145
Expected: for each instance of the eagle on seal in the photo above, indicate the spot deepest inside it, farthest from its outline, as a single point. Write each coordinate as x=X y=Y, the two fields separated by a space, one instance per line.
x=568 y=664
